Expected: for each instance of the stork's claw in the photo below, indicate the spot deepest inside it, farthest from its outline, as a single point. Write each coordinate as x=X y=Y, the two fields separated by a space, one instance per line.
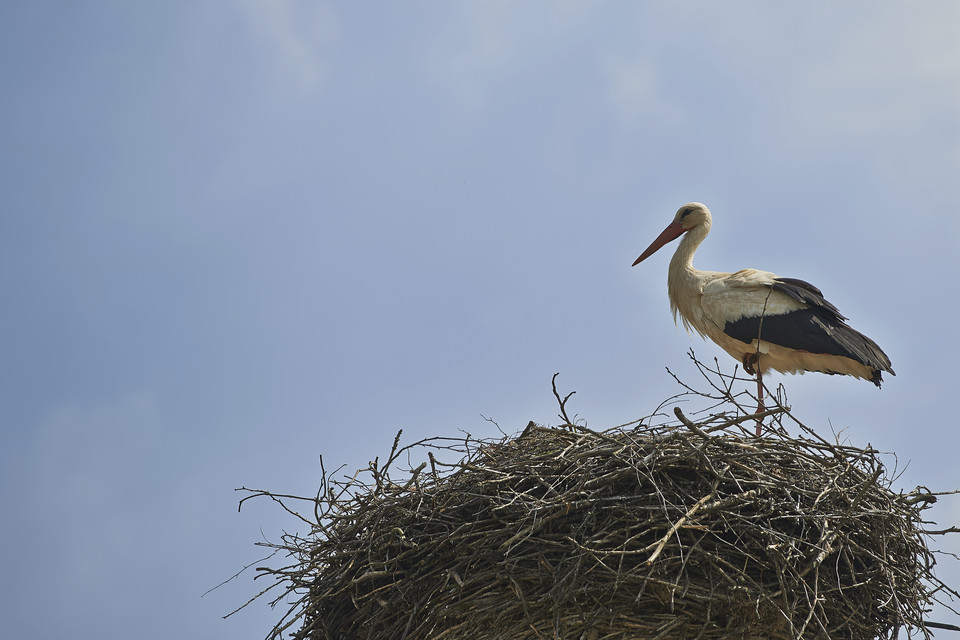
x=750 y=363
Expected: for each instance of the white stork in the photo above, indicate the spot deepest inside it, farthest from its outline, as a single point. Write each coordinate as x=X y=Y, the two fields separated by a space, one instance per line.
x=764 y=321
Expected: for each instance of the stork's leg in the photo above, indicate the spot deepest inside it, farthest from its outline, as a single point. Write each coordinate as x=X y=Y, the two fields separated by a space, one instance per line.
x=751 y=364
x=760 y=406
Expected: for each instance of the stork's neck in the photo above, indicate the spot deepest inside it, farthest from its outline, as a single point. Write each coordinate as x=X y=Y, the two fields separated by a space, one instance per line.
x=684 y=283
x=682 y=262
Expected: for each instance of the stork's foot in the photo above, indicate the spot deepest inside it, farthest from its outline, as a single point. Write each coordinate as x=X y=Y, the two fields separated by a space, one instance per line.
x=750 y=361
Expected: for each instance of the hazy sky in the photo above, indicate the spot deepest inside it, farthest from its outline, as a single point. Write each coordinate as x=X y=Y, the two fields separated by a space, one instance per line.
x=235 y=236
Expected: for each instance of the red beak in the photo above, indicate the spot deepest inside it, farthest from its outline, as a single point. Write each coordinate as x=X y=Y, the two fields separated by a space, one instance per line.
x=672 y=232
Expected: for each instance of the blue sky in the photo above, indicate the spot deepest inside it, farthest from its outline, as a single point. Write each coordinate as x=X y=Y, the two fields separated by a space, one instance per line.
x=235 y=236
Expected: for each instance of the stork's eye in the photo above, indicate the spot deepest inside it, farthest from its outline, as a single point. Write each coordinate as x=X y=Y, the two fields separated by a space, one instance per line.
x=686 y=212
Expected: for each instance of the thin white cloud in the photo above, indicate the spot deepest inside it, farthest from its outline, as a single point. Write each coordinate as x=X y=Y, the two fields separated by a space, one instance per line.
x=636 y=94
x=483 y=42
x=297 y=33
x=864 y=89
x=842 y=71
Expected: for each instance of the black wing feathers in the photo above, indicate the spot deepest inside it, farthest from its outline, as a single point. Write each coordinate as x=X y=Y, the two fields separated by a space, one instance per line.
x=818 y=327
x=806 y=293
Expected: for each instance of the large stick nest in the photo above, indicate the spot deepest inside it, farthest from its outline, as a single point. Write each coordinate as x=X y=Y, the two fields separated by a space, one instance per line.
x=684 y=530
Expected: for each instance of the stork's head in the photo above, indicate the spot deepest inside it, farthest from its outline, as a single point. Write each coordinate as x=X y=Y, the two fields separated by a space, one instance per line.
x=690 y=215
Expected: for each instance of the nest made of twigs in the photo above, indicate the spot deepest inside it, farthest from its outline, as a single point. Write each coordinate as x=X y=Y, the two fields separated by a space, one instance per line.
x=677 y=531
